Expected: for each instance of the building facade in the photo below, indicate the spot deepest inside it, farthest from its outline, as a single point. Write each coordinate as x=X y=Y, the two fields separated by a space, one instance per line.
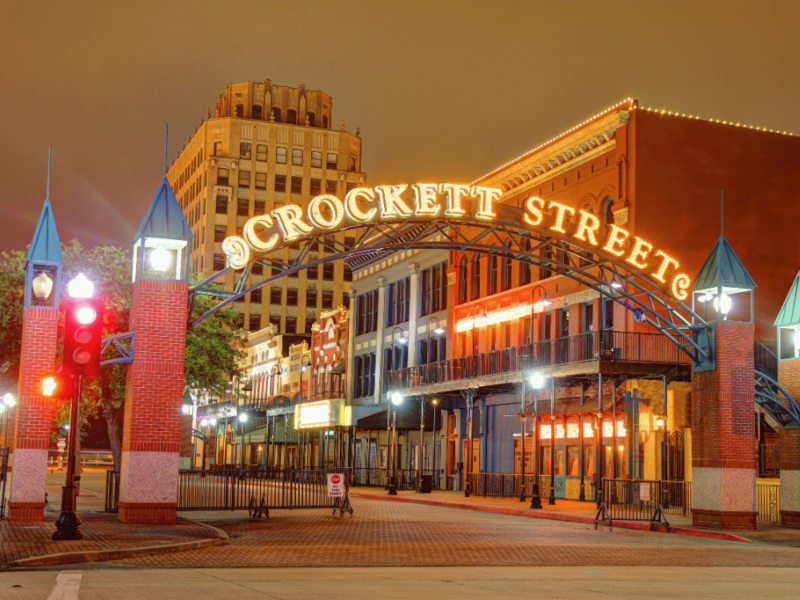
x=266 y=146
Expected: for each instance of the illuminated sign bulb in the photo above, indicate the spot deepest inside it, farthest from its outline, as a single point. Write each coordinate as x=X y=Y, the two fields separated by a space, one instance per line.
x=160 y=259
x=86 y=315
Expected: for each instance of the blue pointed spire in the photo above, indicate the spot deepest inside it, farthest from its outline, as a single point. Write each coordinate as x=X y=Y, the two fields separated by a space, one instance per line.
x=45 y=247
x=789 y=315
x=164 y=218
x=723 y=269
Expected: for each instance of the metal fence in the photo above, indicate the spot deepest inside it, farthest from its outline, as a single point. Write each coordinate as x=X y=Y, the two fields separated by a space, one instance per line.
x=501 y=485
x=3 y=478
x=631 y=500
x=254 y=489
x=590 y=346
x=768 y=501
x=112 y=491
x=407 y=479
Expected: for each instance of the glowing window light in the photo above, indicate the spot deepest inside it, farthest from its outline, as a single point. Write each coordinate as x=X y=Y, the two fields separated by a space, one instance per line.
x=572 y=430
x=160 y=259
x=545 y=432
x=498 y=316
x=588 y=430
x=559 y=431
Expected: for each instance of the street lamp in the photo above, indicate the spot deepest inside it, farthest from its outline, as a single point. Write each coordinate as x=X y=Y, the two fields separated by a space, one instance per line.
x=242 y=418
x=537 y=382
x=543 y=301
x=433 y=444
x=397 y=400
x=303 y=367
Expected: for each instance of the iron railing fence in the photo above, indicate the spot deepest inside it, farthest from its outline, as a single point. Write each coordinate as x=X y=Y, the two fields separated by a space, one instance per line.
x=112 y=491
x=676 y=497
x=768 y=501
x=631 y=500
x=768 y=460
x=585 y=347
x=766 y=357
x=502 y=485
x=243 y=489
x=3 y=478
x=407 y=479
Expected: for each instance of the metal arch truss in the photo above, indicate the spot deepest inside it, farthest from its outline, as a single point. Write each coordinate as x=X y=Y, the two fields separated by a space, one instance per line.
x=776 y=401
x=506 y=237
x=117 y=342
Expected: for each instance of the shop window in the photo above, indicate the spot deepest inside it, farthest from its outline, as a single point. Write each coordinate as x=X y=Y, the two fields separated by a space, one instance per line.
x=261 y=152
x=281 y=155
x=244 y=150
x=316 y=159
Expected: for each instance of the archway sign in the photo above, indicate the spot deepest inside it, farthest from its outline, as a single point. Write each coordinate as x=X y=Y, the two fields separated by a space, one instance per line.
x=387 y=219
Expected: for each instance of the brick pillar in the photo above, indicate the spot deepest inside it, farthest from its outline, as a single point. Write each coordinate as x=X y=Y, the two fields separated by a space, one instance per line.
x=32 y=429
x=723 y=434
x=789 y=461
x=148 y=487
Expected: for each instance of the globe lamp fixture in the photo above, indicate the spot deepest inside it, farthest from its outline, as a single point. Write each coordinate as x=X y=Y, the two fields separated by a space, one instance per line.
x=80 y=287
x=160 y=259
x=537 y=380
x=42 y=286
x=242 y=417
x=8 y=399
x=397 y=399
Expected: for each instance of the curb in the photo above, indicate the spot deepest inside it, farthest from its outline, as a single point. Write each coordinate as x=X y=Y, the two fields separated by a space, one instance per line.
x=68 y=558
x=557 y=517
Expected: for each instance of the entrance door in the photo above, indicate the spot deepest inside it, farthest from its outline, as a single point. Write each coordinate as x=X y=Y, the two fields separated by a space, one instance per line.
x=561 y=475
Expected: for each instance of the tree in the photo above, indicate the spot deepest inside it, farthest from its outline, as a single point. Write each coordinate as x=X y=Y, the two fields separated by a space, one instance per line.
x=12 y=290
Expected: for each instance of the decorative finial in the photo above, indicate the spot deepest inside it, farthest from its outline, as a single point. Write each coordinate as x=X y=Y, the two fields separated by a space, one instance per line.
x=358 y=132
x=343 y=125
x=308 y=120
x=272 y=115
x=49 y=155
x=208 y=113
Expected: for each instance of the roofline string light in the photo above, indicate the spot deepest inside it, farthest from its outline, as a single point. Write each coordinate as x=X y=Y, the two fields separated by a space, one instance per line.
x=721 y=122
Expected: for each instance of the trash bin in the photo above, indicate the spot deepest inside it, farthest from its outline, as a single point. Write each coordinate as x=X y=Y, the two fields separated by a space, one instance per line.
x=427 y=484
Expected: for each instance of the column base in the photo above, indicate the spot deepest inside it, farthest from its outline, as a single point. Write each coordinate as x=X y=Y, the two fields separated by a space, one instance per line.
x=720 y=519
x=790 y=518
x=26 y=511
x=134 y=513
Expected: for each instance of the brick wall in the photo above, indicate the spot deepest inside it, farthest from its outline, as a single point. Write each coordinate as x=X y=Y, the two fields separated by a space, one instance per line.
x=789 y=377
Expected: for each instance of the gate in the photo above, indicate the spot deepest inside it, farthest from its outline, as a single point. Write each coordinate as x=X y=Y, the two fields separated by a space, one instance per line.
x=258 y=491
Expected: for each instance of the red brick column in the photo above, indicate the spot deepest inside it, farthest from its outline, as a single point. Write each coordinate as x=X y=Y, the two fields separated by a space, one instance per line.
x=789 y=461
x=148 y=489
x=723 y=434
x=32 y=429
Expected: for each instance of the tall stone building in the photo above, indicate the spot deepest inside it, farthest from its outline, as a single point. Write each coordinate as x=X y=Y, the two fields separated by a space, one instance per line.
x=266 y=146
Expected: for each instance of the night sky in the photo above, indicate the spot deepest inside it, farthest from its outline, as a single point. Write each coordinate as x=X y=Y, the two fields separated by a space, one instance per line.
x=442 y=91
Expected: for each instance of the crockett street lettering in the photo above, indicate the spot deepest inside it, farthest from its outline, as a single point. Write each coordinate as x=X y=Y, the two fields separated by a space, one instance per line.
x=451 y=202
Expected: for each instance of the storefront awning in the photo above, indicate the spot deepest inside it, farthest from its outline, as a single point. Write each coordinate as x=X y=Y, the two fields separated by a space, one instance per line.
x=339 y=368
x=407 y=418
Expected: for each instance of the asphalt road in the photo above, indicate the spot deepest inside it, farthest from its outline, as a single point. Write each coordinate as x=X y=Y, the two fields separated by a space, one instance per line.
x=405 y=582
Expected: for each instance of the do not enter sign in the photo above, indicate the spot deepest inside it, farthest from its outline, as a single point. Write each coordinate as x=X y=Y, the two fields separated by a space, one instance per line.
x=335 y=485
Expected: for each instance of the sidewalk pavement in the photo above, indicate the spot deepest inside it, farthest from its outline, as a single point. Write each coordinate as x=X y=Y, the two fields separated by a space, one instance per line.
x=104 y=536
x=578 y=512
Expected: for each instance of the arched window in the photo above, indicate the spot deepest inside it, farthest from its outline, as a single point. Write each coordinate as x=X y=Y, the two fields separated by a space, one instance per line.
x=476 y=277
x=312 y=119
x=462 y=283
x=525 y=268
x=277 y=112
x=291 y=116
x=492 y=275
x=324 y=121
x=256 y=111
x=239 y=110
x=608 y=213
x=505 y=281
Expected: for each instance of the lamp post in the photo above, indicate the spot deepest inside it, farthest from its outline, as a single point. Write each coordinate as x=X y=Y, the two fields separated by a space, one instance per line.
x=552 y=499
x=432 y=453
x=397 y=400
x=402 y=340
x=543 y=301
x=303 y=367
x=537 y=382
x=8 y=403
x=242 y=418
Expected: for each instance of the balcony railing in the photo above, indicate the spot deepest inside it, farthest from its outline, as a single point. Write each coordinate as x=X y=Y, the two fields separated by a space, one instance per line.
x=586 y=347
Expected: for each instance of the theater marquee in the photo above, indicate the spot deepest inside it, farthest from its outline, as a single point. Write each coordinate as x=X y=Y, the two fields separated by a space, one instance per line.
x=453 y=203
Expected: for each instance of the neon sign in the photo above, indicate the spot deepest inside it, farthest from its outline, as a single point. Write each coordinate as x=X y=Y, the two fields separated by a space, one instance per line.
x=290 y=223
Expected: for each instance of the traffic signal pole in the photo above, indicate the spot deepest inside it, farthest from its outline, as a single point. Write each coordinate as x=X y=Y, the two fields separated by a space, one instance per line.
x=68 y=523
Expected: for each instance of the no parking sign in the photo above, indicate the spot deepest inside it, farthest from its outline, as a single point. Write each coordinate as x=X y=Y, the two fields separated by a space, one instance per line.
x=335 y=485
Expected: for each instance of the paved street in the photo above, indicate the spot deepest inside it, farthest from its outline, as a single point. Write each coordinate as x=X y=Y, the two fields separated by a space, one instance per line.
x=408 y=582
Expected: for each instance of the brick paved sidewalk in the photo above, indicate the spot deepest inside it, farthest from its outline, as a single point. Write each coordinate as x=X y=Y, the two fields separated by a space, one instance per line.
x=566 y=510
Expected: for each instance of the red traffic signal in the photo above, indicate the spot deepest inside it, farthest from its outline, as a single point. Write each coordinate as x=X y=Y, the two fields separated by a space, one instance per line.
x=83 y=333
x=55 y=386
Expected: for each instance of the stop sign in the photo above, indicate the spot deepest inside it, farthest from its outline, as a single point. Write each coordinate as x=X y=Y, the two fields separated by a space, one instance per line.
x=335 y=479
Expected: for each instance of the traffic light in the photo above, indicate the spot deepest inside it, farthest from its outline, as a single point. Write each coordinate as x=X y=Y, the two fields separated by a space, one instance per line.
x=83 y=333
x=55 y=386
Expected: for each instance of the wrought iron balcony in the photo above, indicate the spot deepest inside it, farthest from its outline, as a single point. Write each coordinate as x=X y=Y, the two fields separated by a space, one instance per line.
x=595 y=346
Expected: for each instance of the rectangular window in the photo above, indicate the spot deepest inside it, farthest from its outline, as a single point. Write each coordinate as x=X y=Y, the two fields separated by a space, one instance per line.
x=327 y=299
x=390 y=304
x=222 y=176
x=368 y=326
x=315 y=189
x=327 y=272
x=280 y=183
x=258 y=269
x=220 y=233
x=280 y=155
x=332 y=160
x=255 y=322
x=401 y=315
x=312 y=273
x=297 y=185
x=348 y=273
x=259 y=207
x=361 y=304
x=261 y=181
x=291 y=325
x=275 y=296
x=316 y=159
x=330 y=188
x=219 y=262
x=291 y=297
x=222 y=205
x=425 y=303
x=311 y=298
x=351 y=166
x=297 y=156
x=261 y=152
x=437 y=291
x=243 y=209
x=244 y=150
